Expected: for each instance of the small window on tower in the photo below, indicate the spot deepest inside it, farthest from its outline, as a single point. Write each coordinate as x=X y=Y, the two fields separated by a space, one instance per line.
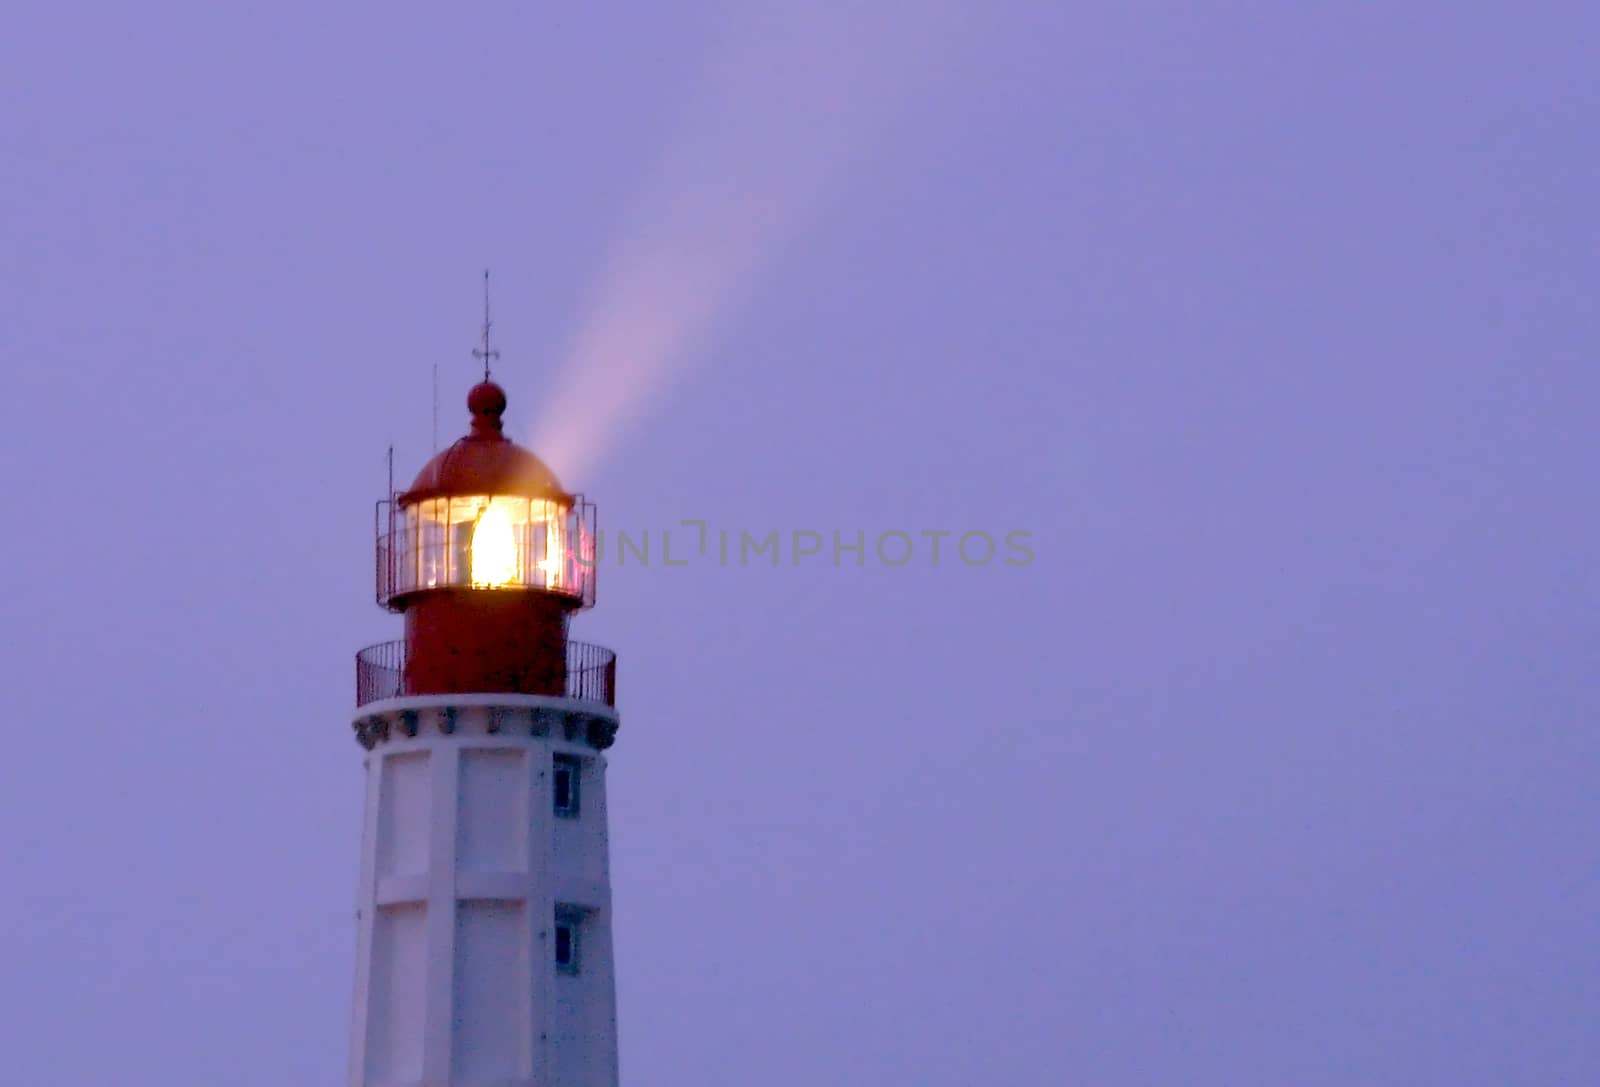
x=567 y=928
x=566 y=786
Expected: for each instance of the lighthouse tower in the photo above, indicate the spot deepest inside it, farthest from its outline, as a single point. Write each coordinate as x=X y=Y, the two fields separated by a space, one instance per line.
x=484 y=933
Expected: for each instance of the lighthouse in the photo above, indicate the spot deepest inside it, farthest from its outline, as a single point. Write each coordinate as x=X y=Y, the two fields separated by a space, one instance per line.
x=484 y=950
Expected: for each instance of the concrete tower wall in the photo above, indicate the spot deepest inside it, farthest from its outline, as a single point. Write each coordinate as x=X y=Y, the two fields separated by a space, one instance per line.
x=467 y=872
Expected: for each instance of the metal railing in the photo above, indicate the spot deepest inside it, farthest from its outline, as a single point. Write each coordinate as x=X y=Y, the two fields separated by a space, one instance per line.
x=591 y=673
x=380 y=672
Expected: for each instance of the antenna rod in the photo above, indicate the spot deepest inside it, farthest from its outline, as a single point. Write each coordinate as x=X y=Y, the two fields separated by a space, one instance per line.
x=436 y=407
x=486 y=352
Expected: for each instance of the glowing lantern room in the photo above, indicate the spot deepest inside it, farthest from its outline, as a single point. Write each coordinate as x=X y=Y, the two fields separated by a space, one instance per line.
x=487 y=557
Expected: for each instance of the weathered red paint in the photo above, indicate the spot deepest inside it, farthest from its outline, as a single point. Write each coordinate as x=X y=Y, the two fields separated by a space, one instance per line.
x=489 y=641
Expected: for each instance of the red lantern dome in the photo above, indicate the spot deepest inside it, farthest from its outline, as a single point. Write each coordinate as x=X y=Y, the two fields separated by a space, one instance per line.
x=485 y=461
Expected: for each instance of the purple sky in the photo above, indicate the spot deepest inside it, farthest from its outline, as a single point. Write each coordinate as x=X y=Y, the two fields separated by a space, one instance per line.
x=1273 y=323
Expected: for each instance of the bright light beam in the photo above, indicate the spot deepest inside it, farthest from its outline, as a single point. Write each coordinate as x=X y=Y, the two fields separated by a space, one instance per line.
x=791 y=101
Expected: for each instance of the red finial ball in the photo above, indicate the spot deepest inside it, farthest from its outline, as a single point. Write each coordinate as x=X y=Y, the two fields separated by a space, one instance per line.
x=486 y=398
x=487 y=402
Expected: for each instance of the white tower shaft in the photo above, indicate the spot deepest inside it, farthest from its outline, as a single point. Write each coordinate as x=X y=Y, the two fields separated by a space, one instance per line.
x=484 y=953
